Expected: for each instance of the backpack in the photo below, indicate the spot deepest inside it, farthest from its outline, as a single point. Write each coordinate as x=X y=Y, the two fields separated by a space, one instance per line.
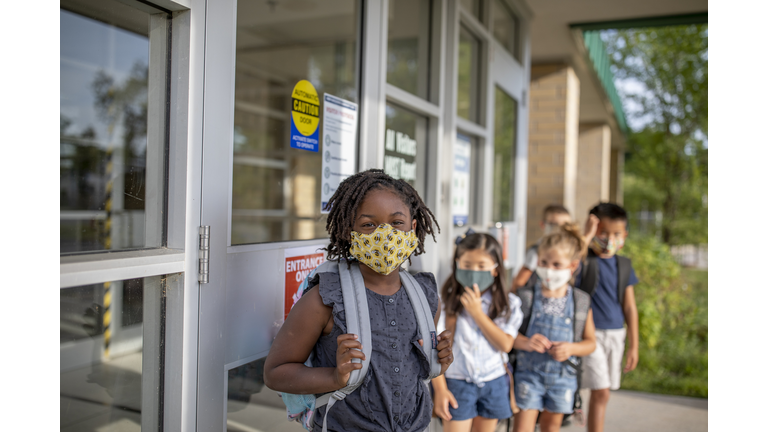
x=581 y=304
x=590 y=276
x=302 y=408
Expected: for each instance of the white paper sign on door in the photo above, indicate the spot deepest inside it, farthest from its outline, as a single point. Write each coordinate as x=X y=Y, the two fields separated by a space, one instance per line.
x=462 y=153
x=339 y=145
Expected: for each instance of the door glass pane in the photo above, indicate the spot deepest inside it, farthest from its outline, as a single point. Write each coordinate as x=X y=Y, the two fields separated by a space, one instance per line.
x=251 y=405
x=467 y=103
x=104 y=75
x=505 y=27
x=276 y=188
x=408 y=45
x=464 y=158
x=405 y=147
x=473 y=7
x=504 y=142
x=102 y=349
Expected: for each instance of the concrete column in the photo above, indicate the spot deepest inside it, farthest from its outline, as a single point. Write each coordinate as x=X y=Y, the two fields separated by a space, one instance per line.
x=593 y=179
x=553 y=142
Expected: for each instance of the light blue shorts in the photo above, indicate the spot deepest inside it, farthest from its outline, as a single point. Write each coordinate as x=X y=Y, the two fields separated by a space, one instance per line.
x=538 y=391
x=490 y=401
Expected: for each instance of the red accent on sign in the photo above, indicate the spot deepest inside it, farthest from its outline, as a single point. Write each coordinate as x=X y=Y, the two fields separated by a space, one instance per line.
x=505 y=244
x=296 y=270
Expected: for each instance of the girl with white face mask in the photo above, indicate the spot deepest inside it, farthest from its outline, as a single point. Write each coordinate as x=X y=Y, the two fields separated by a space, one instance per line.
x=559 y=329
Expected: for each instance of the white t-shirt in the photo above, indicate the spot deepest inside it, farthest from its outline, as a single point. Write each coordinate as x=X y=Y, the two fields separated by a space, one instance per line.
x=532 y=257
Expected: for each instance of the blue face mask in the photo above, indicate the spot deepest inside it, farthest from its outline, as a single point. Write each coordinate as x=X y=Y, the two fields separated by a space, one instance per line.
x=467 y=278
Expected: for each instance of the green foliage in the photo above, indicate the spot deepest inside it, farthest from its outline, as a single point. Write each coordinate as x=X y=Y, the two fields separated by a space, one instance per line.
x=672 y=309
x=670 y=64
x=664 y=71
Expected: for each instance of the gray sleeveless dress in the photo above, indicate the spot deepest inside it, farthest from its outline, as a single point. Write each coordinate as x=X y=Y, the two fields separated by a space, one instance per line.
x=393 y=396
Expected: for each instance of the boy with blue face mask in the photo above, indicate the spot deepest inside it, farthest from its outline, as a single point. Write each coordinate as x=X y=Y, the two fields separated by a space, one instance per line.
x=610 y=280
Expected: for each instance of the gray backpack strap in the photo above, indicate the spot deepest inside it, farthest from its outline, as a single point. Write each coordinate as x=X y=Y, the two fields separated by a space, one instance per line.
x=581 y=304
x=526 y=298
x=425 y=319
x=358 y=318
x=359 y=323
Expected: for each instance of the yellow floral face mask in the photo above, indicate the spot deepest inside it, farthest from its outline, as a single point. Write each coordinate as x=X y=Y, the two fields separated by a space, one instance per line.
x=384 y=249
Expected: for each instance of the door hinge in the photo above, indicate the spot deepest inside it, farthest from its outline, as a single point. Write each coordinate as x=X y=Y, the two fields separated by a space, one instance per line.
x=204 y=254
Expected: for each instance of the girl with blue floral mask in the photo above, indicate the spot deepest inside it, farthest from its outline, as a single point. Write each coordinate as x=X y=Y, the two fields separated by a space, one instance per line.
x=474 y=393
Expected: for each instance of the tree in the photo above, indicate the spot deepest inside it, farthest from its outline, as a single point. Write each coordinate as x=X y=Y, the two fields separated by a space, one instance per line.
x=664 y=71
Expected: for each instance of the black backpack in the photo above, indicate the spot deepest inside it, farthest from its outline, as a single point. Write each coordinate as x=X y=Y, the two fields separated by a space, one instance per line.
x=590 y=275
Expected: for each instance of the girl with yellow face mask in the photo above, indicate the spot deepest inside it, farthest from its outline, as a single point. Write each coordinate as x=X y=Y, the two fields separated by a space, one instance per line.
x=375 y=223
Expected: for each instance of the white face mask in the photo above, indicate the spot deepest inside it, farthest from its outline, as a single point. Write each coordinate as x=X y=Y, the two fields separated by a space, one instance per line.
x=553 y=279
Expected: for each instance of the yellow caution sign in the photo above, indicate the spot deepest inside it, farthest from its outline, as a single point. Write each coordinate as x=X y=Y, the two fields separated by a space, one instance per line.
x=305 y=116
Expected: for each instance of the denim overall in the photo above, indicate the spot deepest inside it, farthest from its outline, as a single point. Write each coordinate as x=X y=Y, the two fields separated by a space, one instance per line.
x=541 y=383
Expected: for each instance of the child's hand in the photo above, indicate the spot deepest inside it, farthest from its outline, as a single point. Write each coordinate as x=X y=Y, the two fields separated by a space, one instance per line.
x=442 y=399
x=445 y=350
x=632 y=358
x=560 y=351
x=590 y=228
x=347 y=348
x=538 y=343
x=471 y=301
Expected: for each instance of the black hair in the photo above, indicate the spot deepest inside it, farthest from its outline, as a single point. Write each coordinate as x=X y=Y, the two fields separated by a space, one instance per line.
x=452 y=289
x=351 y=192
x=609 y=211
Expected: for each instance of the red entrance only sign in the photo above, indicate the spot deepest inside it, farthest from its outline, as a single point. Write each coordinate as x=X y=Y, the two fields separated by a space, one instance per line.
x=299 y=262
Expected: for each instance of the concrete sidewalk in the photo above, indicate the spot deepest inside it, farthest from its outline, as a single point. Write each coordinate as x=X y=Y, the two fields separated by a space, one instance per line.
x=630 y=411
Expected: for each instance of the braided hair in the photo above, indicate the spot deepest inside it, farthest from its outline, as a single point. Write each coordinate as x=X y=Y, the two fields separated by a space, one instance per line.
x=351 y=192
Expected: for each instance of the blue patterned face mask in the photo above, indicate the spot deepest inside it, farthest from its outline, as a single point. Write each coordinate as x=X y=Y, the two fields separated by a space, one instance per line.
x=467 y=278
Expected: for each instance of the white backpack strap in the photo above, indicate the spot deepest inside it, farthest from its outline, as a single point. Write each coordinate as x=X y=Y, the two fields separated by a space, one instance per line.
x=425 y=319
x=359 y=323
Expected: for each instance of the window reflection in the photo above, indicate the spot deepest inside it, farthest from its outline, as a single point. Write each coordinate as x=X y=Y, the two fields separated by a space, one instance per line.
x=251 y=405
x=405 y=142
x=104 y=58
x=506 y=27
x=473 y=7
x=276 y=188
x=408 y=45
x=505 y=141
x=467 y=101
x=101 y=355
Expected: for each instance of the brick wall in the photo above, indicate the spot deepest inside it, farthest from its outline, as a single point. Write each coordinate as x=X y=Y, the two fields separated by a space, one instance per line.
x=553 y=142
x=593 y=171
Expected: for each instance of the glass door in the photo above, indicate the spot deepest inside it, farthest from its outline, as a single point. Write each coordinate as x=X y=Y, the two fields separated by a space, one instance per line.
x=281 y=102
x=491 y=74
x=117 y=260
x=507 y=111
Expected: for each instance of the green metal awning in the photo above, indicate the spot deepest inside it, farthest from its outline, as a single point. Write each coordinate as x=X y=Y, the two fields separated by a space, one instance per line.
x=602 y=66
